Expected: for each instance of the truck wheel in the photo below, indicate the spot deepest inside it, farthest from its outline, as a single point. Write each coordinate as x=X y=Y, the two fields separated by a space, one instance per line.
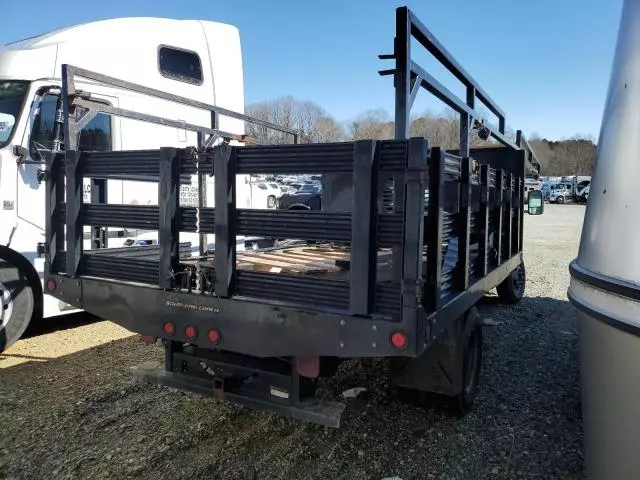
x=448 y=373
x=271 y=201
x=471 y=363
x=17 y=303
x=511 y=290
x=560 y=199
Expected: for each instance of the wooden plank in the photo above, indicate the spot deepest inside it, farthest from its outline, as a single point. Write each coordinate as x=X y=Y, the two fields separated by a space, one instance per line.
x=280 y=257
x=333 y=255
x=261 y=263
x=306 y=255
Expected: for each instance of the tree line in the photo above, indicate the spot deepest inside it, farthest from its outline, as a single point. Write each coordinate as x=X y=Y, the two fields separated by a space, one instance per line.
x=565 y=157
x=572 y=156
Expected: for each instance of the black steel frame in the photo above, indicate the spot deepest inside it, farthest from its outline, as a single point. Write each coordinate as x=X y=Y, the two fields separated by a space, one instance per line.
x=348 y=318
x=473 y=214
x=409 y=77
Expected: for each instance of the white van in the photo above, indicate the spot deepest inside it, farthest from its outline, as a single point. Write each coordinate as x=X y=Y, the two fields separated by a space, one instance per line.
x=199 y=60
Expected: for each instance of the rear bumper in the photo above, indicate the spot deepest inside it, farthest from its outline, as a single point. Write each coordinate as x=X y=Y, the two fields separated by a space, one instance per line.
x=268 y=328
x=246 y=326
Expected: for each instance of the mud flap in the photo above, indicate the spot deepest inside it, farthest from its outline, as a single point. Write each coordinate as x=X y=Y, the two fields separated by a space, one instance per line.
x=440 y=369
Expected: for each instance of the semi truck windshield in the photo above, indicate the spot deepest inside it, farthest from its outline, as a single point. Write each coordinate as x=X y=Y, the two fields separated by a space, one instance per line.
x=12 y=95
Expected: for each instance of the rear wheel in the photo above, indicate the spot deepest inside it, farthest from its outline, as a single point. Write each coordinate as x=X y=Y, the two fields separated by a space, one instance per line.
x=512 y=288
x=560 y=199
x=448 y=373
x=271 y=201
x=17 y=303
x=472 y=361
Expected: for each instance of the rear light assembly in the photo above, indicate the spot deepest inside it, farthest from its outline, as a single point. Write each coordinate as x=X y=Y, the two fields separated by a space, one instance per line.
x=51 y=286
x=169 y=328
x=191 y=332
x=214 y=336
x=399 y=340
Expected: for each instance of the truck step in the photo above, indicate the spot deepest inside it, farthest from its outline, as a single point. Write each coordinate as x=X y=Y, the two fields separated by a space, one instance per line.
x=309 y=409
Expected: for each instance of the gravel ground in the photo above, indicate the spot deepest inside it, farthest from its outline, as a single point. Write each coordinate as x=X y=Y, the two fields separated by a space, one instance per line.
x=69 y=407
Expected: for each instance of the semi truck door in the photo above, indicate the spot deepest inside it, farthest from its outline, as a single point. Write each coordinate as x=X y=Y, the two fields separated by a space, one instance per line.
x=97 y=135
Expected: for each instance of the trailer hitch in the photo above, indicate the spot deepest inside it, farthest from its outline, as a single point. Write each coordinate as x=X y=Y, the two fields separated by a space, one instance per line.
x=224 y=382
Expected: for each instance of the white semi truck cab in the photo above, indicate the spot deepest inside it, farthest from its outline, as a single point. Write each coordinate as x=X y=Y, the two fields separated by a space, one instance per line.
x=198 y=60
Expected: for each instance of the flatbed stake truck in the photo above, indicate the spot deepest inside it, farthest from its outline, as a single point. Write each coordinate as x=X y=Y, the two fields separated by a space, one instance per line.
x=408 y=239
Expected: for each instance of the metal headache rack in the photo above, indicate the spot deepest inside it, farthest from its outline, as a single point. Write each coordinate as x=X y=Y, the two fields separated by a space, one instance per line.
x=426 y=231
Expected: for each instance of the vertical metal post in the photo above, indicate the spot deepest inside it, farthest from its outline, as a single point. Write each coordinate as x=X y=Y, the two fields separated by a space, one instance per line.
x=99 y=195
x=462 y=279
x=465 y=124
x=484 y=218
x=499 y=209
x=412 y=288
x=171 y=347
x=54 y=226
x=402 y=76
x=434 y=232
x=509 y=229
x=521 y=221
x=225 y=253
x=201 y=193
x=75 y=227
x=202 y=187
x=168 y=203
x=402 y=84
x=364 y=247
x=518 y=220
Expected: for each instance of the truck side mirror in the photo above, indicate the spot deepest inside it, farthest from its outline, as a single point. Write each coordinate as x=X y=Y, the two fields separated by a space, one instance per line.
x=20 y=152
x=535 y=203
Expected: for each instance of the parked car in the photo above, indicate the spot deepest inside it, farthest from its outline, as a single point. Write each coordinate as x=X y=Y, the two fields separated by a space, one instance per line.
x=559 y=195
x=286 y=188
x=265 y=194
x=307 y=197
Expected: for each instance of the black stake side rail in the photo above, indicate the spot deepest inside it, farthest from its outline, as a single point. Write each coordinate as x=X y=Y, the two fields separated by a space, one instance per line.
x=322 y=226
x=423 y=289
x=364 y=228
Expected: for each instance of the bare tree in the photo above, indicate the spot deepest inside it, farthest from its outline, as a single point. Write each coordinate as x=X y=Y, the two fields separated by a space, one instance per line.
x=574 y=156
x=372 y=124
x=310 y=119
x=441 y=130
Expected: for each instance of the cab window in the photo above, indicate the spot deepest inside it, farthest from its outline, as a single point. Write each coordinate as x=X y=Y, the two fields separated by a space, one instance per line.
x=95 y=136
x=181 y=65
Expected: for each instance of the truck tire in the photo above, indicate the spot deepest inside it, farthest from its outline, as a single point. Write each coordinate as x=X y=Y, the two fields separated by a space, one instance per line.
x=448 y=373
x=18 y=303
x=560 y=199
x=512 y=288
x=461 y=403
x=271 y=202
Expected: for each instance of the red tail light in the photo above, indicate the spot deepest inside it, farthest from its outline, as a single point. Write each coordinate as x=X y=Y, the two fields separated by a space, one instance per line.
x=399 y=340
x=169 y=328
x=51 y=285
x=191 y=332
x=214 y=336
